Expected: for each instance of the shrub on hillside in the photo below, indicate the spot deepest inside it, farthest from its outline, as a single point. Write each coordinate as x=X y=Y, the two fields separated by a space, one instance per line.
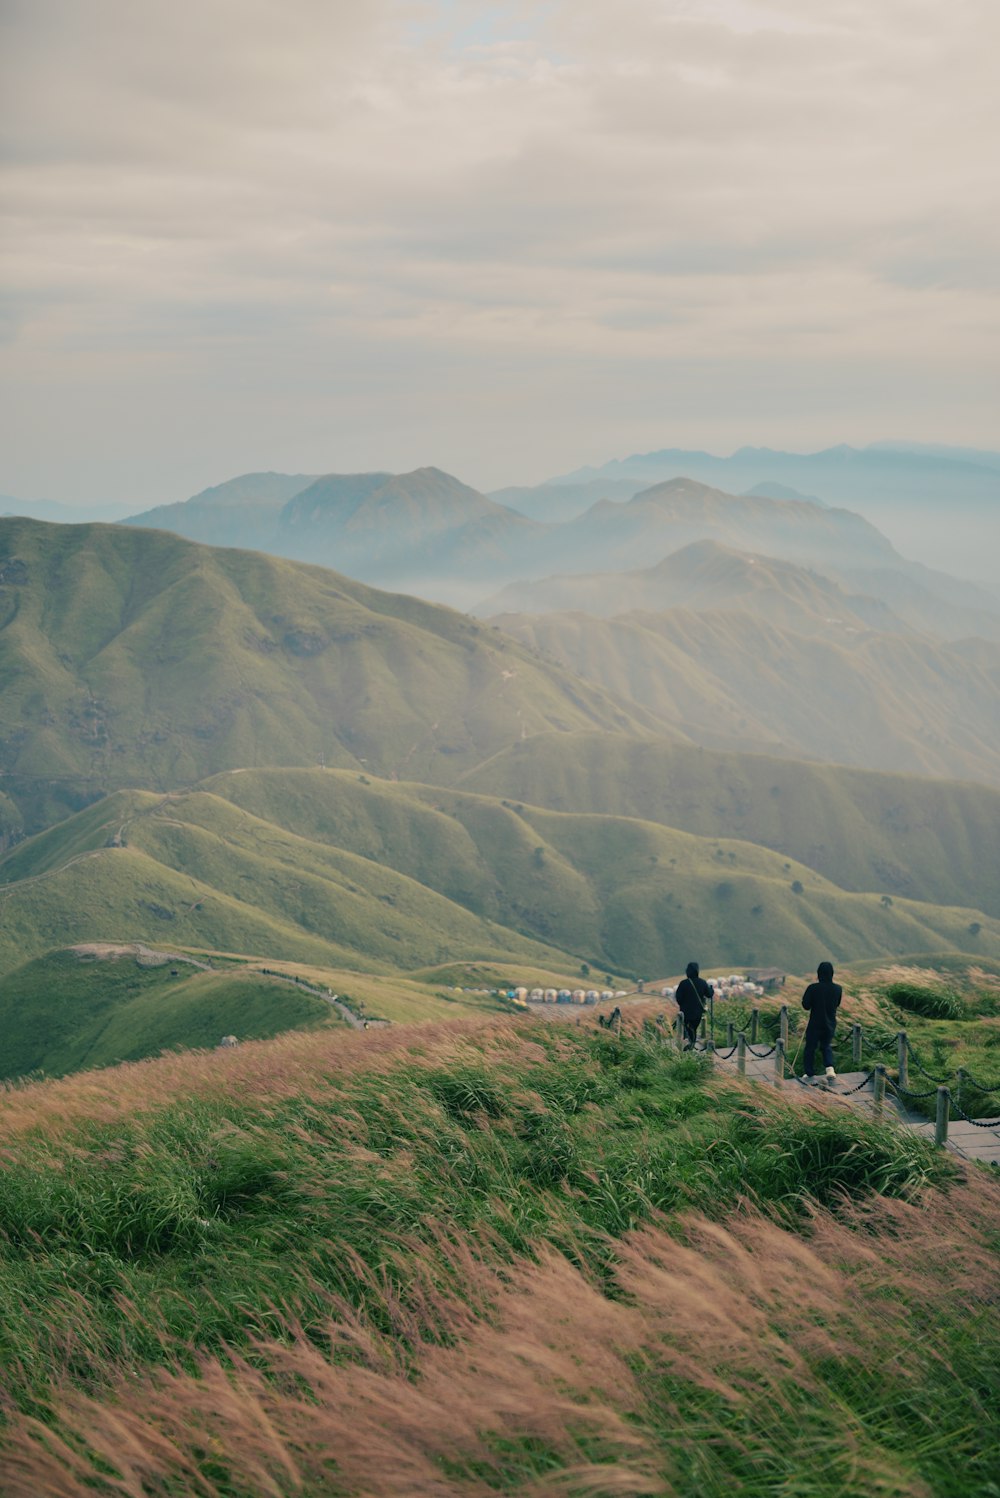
x=930 y=1003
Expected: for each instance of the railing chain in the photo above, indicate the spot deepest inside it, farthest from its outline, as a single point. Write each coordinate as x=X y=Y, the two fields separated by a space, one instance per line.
x=977 y=1123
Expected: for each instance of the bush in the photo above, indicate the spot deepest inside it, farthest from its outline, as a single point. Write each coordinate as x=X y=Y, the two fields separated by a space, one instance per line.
x=930 y=1003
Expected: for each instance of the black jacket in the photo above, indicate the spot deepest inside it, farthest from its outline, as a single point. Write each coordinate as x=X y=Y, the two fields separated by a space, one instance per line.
x=822 y=1000
x=691 y=995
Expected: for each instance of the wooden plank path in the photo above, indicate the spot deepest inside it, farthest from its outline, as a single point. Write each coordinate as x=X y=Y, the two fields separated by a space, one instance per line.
x=968 y=1141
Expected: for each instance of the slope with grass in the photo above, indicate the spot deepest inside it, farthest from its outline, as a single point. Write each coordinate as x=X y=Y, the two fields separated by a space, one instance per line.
x=630 y=893
x=329 y=868
x=931 y=840
x=130 y=657
x=855 y=697
x=200 y=873
x=228 y=1274
x=73 y=1010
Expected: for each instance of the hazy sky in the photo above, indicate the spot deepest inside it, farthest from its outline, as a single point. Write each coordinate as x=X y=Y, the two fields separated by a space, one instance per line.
x=508 y=239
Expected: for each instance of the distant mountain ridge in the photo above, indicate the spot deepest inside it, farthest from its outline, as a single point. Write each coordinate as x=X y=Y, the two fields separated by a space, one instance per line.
x=242 y=511
x=915 y=492
x=705 y=575
x=427 y=533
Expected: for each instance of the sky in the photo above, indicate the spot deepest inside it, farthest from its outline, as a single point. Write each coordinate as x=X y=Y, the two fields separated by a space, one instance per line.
x=506 y=240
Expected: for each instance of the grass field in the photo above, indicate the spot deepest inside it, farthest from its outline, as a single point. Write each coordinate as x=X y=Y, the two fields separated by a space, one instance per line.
x=488 y=1256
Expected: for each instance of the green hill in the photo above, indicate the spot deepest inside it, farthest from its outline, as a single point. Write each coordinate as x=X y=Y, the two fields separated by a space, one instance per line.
x=74 y=1010
x=320 y=867
x=197 y=871
x=132 y=657
x=826 y=690
x=931 y=840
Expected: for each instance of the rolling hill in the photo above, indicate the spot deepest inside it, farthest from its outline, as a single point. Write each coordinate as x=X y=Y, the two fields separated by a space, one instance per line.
x=932 y=840
x=131 y=657
x=323 y=868
x=87 y=1007
x=795 y=684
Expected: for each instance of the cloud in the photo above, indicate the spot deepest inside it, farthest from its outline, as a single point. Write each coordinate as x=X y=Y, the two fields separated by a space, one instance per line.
x=231 y=193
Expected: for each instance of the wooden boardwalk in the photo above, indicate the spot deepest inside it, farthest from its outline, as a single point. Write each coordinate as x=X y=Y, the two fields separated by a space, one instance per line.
x=967 y=1141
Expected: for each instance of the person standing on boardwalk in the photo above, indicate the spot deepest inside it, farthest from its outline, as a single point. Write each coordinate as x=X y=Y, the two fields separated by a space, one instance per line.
x=692 y=991
x=822 y=1000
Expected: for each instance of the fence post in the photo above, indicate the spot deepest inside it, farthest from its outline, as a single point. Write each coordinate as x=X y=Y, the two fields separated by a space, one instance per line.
x=754 y=1022
x=679 y=1032
x=856 y=1045
x=959 y=1079
x=783 y=1021
x=779 y=1060
x=879 y=1088
x=941 y=1121
x=741 y=1054
x=901 y=1059
x=711 y=1021
x=703 y=1032
x=730 y=1034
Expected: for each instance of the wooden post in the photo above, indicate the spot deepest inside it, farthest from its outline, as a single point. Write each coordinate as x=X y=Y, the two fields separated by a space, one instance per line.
x=741 y=1054
x=783 y=1019
x=730 y=1034
x=754 y=1022
x=704 y=1029
x=856 y=1044
x=941 y=1121
x=879 y=1089
x=901 y=1060
x=779 y=1060
x=679 y=1031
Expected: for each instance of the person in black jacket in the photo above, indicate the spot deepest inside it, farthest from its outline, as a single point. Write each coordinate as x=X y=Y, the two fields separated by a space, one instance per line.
x=691 y=994
x=822 y=1000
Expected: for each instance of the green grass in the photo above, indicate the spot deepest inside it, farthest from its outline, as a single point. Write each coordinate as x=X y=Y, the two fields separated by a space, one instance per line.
x=896 y=835
x=68 y=1012
x=391 y=1217
x=134 y=658
x=930 y=1003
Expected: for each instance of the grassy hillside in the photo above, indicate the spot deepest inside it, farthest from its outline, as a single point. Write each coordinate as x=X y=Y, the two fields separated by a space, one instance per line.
x=74 y=1010
x=196 y=871
x=227 y=1274
x=395 y=877
x=894 y=834
x=130 y=657
x=322 y=867
x=836 y=692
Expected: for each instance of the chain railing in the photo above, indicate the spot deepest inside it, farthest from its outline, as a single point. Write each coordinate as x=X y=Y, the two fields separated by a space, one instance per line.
x=901 y=1049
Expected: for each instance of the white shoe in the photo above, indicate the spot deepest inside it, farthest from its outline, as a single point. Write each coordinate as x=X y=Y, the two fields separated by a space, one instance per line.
x=831 y=1075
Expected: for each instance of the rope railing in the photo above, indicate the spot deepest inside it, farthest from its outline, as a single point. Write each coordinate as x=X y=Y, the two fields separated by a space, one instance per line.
x=901 y=1049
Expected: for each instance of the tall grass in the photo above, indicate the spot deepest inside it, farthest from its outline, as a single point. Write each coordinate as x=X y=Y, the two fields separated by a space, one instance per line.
x=487 y=1257
x=734 y=1357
